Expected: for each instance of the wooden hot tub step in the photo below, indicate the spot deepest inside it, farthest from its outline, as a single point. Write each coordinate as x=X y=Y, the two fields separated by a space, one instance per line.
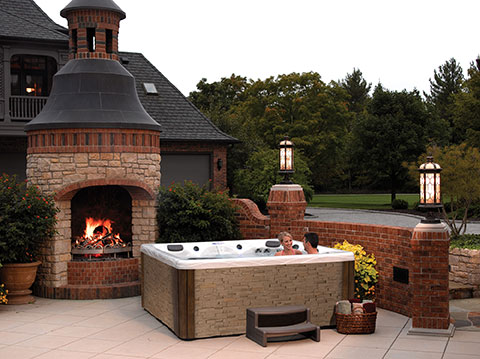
x=272 y=322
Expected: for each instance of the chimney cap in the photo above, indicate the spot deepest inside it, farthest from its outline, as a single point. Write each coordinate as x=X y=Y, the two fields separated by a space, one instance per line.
x=92 y=4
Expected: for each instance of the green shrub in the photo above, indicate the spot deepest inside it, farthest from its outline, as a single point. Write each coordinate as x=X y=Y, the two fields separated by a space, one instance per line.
x=27 y=219
x=366 y=276
x=469 y=241
x=192 y=213
x=399 y=204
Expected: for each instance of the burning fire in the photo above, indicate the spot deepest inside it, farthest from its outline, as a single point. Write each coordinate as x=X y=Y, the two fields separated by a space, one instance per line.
x=98 y=233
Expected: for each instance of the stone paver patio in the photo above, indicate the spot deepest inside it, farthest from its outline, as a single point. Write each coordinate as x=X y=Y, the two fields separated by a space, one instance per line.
x=120 y=328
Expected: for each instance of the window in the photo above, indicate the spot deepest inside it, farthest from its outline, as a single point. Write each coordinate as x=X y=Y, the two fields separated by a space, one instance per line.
x=150 y=88
x=31 y=75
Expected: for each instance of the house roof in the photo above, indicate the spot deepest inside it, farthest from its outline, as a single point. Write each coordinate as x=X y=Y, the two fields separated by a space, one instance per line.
x=23 y=19
x=180 y=119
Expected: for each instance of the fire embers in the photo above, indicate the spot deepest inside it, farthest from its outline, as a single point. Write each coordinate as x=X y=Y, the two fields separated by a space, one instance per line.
x=99 y=240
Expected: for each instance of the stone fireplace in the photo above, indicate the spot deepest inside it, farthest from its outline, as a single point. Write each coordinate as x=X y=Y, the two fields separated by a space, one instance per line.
x=94 y=146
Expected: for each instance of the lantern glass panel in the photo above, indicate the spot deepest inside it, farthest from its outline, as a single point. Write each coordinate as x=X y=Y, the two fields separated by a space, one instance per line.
x=437 y=190
x=422 y=188
x=429 y=188
x=286 y=159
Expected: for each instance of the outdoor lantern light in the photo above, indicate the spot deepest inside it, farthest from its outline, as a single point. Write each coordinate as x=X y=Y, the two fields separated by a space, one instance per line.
x=286 y=160
x=430 y=195
x=430 y=184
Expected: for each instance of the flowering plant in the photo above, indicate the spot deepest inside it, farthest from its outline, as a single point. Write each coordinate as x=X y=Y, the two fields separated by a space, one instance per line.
x=3 y=293
x=27 y=218
x=366 y=276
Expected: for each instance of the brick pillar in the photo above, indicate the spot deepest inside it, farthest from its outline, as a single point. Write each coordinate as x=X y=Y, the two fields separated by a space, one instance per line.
x=286 y=203
x=430 y=311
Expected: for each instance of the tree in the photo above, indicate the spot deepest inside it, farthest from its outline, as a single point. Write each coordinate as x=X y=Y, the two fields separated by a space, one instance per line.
x=314 y=115
x=446 y=83
x=459 y=178
x=390 y=134
x=358 y=91
x=467 y=108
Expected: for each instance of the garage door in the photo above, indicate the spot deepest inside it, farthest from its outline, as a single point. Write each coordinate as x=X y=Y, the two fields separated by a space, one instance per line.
x=178 y=168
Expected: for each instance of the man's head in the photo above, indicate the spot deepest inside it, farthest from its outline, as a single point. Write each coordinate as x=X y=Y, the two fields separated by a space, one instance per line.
x=311 y=239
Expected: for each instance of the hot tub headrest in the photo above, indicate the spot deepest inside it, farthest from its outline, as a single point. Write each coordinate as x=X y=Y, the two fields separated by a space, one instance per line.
x=272 y=244
x=175 y=247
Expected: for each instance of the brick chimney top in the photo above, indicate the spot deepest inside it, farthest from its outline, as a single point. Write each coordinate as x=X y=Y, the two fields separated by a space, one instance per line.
x=93 y=28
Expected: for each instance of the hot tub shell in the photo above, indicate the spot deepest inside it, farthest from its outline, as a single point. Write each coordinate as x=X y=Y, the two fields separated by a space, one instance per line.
x=202 y=298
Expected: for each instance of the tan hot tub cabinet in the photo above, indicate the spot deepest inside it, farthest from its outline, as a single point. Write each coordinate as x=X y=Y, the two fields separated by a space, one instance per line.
x=210 y=298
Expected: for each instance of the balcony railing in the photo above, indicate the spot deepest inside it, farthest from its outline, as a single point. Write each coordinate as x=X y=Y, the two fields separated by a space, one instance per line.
x=25 y=108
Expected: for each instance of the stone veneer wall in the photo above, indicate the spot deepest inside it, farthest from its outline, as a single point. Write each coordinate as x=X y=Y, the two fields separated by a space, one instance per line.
x=223 y=295
x=65 y=173
x=465 y=268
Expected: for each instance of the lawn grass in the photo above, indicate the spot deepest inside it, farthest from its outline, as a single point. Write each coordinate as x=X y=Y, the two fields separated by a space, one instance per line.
x=360 y=201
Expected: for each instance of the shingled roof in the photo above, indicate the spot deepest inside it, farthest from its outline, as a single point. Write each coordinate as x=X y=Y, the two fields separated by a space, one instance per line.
x=180 y=119
x=24 y=20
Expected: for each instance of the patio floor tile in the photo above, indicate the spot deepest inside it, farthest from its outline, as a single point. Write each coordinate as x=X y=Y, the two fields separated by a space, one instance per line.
x=425 y=344
x=345 y=352
x=405 y=354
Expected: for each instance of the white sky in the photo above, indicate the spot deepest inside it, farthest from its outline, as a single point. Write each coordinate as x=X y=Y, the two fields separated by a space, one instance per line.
x=397 y=43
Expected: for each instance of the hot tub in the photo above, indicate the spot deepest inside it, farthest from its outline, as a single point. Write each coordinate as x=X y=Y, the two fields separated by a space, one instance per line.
x=203 y=289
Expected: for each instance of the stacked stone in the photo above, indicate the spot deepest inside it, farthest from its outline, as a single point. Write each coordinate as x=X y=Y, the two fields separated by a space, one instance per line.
x=465 y=267
x=65 y=173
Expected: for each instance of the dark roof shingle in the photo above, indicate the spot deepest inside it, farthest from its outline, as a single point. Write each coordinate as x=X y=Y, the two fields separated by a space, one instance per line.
x=23 y=19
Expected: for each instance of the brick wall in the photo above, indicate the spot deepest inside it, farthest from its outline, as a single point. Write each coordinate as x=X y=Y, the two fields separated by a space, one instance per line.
x=430 y=306
x=423 y=254
x=103 y=272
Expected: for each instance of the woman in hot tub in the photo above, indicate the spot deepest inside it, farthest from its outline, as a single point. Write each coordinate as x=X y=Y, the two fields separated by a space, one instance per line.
x=286 y=240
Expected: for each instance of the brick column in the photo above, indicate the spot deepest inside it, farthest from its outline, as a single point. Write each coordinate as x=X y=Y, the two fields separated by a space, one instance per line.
x=430 y=311
x=286 y=204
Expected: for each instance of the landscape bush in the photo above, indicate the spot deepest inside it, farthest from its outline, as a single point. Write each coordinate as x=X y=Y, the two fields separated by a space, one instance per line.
x=191 y=213
x=468 y=241
x=399 y=204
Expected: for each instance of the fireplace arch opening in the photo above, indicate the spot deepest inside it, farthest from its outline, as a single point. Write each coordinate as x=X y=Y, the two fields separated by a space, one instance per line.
x=101 y=223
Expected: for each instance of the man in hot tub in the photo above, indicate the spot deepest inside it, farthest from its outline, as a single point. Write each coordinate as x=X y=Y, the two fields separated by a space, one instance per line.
x=310 y=243
x=286 y=240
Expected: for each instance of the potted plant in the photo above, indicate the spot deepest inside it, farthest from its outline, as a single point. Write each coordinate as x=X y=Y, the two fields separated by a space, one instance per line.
x=27 y=218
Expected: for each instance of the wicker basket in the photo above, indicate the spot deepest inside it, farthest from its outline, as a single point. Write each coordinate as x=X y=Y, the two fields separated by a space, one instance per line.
x=356 y=323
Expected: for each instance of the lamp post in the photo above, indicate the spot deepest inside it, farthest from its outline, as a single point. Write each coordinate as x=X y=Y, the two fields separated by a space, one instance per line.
x=430 y=194
x=286 y=160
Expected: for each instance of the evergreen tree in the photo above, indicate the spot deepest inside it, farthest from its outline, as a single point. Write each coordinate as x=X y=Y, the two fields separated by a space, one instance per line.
x=446 y=83
x=358 y=90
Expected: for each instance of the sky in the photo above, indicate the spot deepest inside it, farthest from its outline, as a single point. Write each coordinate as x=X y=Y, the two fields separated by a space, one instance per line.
x=397 y=43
